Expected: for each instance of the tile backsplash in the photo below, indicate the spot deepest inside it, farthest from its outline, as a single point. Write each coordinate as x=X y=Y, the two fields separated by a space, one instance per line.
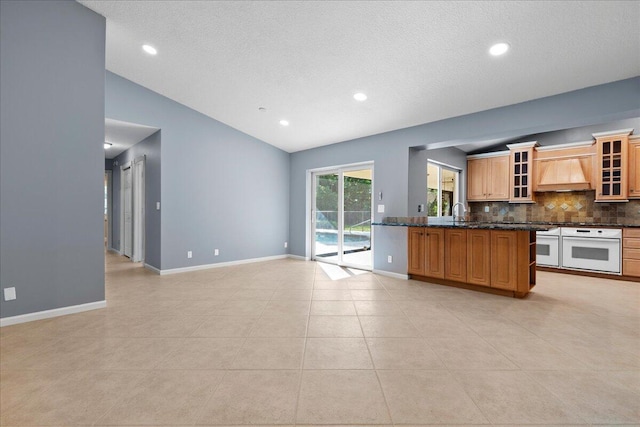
x=575 y=206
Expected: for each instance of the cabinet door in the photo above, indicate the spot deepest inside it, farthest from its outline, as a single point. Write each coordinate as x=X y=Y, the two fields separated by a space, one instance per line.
x=498 y=178
x=479 y=257
x=476 y=178
x=612 y=168
x=455 y=249
x=435 y=253
x=416 y=252
x=504 y=260
x=634 y=170
x=521 y=182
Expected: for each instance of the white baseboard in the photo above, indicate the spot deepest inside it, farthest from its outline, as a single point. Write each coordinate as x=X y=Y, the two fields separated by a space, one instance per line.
x=115 y=251
x=221 y=264
x=152 y=268
x=392 y=274
x=39 y=315
x=298 y=257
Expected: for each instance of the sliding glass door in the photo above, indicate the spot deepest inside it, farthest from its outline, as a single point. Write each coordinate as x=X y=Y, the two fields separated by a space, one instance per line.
x=342 y=214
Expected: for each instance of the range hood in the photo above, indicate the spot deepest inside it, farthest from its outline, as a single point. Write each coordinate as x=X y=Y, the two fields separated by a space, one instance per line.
x=565 y=168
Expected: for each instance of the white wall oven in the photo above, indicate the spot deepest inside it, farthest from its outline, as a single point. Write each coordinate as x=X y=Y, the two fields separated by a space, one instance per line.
x=548 y=248
x=593 y=249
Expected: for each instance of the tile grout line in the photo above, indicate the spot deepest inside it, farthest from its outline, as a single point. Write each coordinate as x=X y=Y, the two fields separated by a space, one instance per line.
x=375 y=370
x=304 y=350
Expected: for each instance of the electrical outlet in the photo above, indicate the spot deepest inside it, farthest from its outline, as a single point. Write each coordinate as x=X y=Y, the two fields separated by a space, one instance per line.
x=189 y=254
x=389 y=259
x=216 y=252
x=486 y=209
x=286 y=244
x=9 y=294
x=380 y=208
x=157 y=206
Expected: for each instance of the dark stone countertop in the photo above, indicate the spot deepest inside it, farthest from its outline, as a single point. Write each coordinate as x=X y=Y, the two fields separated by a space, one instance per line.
x=475 y=225
x=518 y=226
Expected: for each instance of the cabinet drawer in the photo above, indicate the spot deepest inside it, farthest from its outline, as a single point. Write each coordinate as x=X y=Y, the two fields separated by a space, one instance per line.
x=631 y=232
x=631 y=243
x=631 y=267
x=628 y=253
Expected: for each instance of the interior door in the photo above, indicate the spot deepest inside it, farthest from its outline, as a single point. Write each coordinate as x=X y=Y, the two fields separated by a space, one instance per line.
x=138 y=209
x=127 y=214
x=341 y=216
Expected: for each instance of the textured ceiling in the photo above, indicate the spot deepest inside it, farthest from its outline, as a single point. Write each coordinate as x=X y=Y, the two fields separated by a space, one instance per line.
x=418 y=61
x=123 y=135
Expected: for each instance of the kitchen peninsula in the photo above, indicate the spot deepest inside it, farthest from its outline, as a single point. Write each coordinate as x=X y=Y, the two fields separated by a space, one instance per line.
x=496 y=258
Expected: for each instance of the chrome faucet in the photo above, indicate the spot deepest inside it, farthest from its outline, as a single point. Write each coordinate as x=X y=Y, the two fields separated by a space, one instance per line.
x=460 y=217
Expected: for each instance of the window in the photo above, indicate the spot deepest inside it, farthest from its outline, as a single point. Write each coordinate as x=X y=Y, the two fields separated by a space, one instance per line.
x=442 y=189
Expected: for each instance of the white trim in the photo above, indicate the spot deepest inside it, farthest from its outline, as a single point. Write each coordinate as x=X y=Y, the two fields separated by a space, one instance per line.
x=391 y=274
x=152 y=268
x=485 y=155
x=63 y=311
x=435 y=162
x=564 y=146
x=115 y=251
x=298 y=257
x=220 y=264
x=613 y=132
x=520 y=145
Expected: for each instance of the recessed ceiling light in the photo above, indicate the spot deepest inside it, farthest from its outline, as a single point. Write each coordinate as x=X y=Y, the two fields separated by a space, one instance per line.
x=262 y=109
x=499 y=49
x=149 y=49
x=107 y=145
x=284 y=123
x=360 y=97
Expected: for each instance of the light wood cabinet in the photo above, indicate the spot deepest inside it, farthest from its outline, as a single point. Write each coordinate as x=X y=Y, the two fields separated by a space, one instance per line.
x=488 y=177
x=434 y=266
x=504 y=260
x=612 y=177
x=455 y=248
x=634 y=167
x=479 y=257
x=416 y=252
x=426 y=252
x=521 y=172
x=631 y=252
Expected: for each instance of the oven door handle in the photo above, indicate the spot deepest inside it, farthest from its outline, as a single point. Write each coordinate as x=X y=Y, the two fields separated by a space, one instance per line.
x=591 y=239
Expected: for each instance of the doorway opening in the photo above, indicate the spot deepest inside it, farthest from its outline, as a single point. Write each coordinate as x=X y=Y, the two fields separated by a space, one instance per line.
x=342 y=210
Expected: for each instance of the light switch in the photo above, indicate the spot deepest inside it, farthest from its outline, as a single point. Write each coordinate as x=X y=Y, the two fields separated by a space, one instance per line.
x=157 y=206
x=380 y=208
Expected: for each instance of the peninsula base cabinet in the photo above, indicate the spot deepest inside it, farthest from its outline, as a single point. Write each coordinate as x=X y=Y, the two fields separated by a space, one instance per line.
x=500 y=260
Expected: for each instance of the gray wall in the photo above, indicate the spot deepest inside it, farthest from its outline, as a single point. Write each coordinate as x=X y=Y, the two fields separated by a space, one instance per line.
x=221 y=188
x=149 y=147
x=390 y=151
x=52 y=59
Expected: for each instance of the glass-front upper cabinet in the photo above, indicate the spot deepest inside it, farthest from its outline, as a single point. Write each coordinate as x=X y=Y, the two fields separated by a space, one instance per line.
x=521 y=172
x=612 y=167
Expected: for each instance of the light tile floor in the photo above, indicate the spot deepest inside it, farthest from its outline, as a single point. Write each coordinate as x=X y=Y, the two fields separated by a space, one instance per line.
x=281 y=343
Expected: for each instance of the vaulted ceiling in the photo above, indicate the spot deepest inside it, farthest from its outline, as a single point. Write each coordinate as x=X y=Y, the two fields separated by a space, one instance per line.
x=417 y=61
